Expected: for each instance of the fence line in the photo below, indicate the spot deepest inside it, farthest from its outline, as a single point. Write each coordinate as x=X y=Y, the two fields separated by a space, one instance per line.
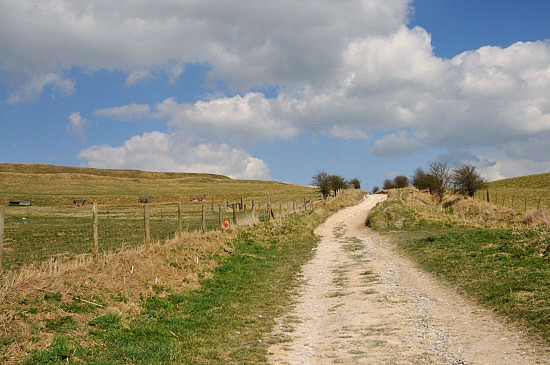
x=25 y=238
x=516 y=201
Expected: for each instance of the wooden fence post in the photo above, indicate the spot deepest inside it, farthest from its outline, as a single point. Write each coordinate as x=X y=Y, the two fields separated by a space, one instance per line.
x=293 y=205
x=203 y=221
x=179 y=218
x=147 y=233
x=269 y=209
x=525 y=204
x=538 y=206
x=220 y=216
x=2 y=215
x=488 y=201
x=234 y=205
x=95 y=247
x=253 y=209
x=280 y=209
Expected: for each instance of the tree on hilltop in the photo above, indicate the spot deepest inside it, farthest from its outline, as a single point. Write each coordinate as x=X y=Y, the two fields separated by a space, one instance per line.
x=466 y=180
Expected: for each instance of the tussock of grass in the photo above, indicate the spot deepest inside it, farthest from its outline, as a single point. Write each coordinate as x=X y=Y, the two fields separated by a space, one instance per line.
x=490 y=252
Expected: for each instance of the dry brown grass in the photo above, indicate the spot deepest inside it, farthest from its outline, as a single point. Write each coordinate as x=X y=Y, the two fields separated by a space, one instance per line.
x=460 y=209
x=117 y=283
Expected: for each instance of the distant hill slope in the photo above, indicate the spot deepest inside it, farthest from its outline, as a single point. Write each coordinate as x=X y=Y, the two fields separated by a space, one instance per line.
x=53 y=169
x=538 y=181
x=522 y=193
x=59 y=185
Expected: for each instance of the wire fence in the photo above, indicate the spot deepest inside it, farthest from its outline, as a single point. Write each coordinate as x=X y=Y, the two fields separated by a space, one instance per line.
x=35 y=234
x=526 y=201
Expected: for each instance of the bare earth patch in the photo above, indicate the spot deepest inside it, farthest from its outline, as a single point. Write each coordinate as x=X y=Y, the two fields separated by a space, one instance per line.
x=361 y=302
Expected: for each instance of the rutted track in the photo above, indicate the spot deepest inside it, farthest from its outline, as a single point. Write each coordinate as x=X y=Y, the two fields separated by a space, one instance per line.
x=363 y=303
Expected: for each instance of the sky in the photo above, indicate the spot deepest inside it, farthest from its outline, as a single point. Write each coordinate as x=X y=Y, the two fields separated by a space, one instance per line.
x=277 y=90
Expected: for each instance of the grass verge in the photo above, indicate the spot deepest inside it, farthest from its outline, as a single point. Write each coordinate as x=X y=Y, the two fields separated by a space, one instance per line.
x=243 y=289
x=488 y=254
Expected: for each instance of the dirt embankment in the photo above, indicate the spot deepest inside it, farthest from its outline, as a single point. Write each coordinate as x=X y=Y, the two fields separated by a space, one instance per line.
x=362 y=302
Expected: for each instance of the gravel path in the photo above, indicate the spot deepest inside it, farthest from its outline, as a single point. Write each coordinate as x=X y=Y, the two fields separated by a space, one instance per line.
x=363 y=303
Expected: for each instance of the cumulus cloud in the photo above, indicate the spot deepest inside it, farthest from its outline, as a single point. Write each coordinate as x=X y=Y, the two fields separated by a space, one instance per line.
x=247 y=42
x=395 y=144
x=158 y=151
x=38 y=83
x=125 y=112
x=135 y=76
x=76 y=124
x=244 y=118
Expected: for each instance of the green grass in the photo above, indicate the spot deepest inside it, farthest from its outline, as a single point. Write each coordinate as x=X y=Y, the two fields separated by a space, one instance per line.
x=226 y=321
x=504 y=265
x=524 y=193
x=506 y=269
x=53 y=226
x=57 y=186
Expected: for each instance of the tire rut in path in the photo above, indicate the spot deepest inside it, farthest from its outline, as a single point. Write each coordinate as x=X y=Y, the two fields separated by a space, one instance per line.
x=363 y=303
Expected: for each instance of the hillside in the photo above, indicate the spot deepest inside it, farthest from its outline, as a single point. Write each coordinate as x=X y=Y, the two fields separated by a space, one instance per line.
x=523 y=193
x=47 y=185
x=538 y=181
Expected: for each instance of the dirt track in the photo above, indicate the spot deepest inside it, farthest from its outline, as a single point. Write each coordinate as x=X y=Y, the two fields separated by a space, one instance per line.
x=363 y=303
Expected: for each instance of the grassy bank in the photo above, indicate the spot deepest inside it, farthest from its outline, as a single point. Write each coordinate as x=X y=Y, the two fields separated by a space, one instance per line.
x=493 y=254
x=196 y=299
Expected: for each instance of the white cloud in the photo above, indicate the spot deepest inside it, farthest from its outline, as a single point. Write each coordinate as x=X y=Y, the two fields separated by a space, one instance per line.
x=244 y=118
x=76 y=123
x=36 y=85
x=395 y=144
x=135 y=76
x=125 y=112
x=247 y=42
x=345 y=132
x=158 y=151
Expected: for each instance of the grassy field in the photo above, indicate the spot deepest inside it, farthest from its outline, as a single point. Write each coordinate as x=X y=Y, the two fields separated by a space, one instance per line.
x=54 y=226
x=491 y=253
x=46 y=185
x=197 y=299
x=524 y=194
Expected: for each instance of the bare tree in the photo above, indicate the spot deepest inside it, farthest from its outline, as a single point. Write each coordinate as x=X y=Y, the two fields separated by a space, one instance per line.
x=440 y=172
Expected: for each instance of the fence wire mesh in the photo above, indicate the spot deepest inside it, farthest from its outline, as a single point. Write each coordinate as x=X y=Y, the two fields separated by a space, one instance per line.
x=35 y=234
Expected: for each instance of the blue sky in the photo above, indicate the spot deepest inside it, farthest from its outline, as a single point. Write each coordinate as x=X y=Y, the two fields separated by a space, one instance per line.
x=262 y=90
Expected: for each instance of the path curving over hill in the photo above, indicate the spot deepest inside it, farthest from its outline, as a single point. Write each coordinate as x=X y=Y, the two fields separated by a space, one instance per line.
x=362 y=302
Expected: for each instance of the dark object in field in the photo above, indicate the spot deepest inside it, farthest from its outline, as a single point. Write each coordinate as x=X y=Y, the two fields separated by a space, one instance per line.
x=79 y=202
x=20 y=202
x=145 y=198
x=197 y=198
